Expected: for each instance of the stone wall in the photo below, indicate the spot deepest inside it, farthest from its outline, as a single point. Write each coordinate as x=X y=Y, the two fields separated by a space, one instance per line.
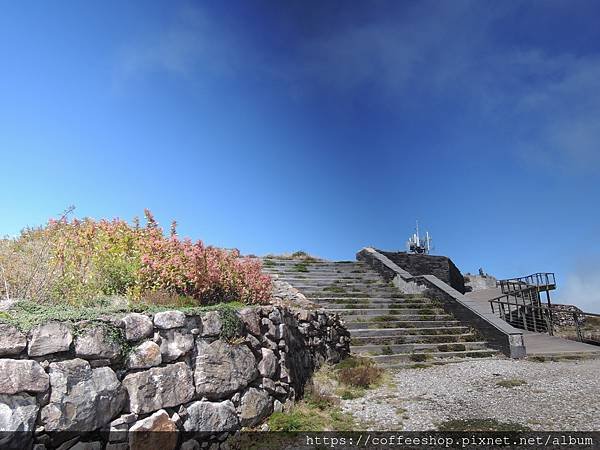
x=474 y=283
x=111 y=382
x=440 y=266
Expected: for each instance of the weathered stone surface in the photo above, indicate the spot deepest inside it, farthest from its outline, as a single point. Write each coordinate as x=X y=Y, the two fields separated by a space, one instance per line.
x=271 y=329
x=253 y=342
x=52 y=337
x=251 y=320
x=19 y=375
x=95 y=445
x=145 y=355
x=256 y=404
x=223 y=368
x=159 y=387
x=17 y=413
x=175 y=343
x=191 y=444
x=154 y=432
x=169 y=319
x=117 y=446
x=124 y=419
x=211 y=417
x=137 y=326
x=95 y=342
x=211 y=324
x=82 y=398
x=13 y=341
x=267 y=366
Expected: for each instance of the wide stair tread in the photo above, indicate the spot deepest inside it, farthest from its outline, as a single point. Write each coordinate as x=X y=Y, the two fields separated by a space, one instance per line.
x=393 y=328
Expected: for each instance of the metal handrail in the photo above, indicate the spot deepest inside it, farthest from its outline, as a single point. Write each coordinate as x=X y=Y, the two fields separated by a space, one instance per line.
x=539 y=280
x=528 y=315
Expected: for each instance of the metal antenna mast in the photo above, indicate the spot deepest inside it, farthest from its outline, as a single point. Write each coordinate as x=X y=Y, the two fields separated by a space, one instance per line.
x=417 y=245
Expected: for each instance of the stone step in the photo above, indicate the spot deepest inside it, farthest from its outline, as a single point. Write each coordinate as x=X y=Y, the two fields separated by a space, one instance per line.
x=307 y=283
x=314 y=265
x=395 y=324
x=426 y=356
x=430 y=363
x=396 y=312
x=328 y=278
x=384 y=321
x=424 y=330
x=413 y=338
x=378 y=349
x=378 y=300
x=421 y=307
x=370 y=289
x=325 y=295
x=305 y=269
x=321 y=262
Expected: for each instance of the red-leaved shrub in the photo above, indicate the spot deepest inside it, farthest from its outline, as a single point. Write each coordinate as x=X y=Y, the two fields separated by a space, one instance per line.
x=85 y=259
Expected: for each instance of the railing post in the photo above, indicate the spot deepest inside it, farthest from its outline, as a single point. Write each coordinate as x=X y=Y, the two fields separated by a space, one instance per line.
x=578 y=327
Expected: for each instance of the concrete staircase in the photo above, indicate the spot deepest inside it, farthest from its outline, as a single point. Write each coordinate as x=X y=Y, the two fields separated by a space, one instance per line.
x=393 y=328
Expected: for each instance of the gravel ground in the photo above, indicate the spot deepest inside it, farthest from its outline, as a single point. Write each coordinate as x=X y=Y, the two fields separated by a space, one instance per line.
x=557 y=396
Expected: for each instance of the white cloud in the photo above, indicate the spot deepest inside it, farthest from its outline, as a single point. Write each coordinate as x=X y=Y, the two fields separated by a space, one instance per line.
x=582 y=288
x=547 y=102
x=190 y=44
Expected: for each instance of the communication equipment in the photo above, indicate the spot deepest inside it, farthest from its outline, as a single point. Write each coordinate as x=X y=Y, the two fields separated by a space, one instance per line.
x=417 y=245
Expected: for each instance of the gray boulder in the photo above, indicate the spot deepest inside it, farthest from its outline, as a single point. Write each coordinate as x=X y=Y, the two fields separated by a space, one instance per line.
x=159 y=387
x=81 y=398
x=13 y=341
x=95 y=445
x=175 y=343
x=256 y=404
x=52 y=337
x=268 y=364
x=251 y=320
x=19 y=375
x=211 y=417
x=223 y=368
x=169 y=319
x=137 y=326
x=154 y=432
x=95 y=342
x=145 y=355
x=191 y=444
x=17 y=412
x=211 y=324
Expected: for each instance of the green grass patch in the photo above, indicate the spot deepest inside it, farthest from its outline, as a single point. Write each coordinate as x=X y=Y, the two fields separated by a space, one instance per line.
x=387 y=350
x=26 y=315
x=300 y=267
x=452 y=348
x=337 y=289
x=384 y=318
x=314 y=413
x=419 y=357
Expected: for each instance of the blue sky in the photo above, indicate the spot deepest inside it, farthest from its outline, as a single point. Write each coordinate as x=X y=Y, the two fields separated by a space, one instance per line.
x=325 y=126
